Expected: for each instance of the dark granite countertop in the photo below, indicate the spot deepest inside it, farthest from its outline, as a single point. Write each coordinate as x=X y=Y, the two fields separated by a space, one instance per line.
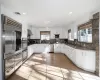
x=79 y=47
x=71 y=45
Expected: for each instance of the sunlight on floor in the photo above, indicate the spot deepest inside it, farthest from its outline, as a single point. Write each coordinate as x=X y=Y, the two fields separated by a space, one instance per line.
x=36 y=68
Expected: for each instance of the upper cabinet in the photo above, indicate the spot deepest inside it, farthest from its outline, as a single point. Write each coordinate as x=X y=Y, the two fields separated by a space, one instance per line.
x=53 y=30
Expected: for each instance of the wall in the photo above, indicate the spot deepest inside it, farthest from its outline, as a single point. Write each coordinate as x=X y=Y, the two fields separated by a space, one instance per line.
x=84 y=18
x=74 y=25
x=18 y=18
x=1 y=72
x=53 y=30
x=10 y=14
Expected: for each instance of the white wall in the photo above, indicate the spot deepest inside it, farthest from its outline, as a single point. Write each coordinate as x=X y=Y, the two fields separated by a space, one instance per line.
x=74 y=25
x=53 y=30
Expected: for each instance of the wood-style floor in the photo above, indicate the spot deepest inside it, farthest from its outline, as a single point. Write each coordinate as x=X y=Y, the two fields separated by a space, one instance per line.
x=51 y=66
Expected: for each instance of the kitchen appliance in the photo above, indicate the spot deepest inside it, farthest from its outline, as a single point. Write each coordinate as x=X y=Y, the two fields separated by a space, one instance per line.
x=9 y=40
x=56 y=36
x=18 y=40
x=11 y=45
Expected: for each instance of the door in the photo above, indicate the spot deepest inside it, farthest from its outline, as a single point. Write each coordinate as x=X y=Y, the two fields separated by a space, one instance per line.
x=9 y=46
x=9 y=42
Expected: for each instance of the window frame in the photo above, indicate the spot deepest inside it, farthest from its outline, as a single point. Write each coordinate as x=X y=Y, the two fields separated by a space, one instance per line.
x=45 y=32
x=86 y=34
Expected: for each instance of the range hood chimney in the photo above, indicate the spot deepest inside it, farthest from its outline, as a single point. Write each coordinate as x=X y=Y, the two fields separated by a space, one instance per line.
x=29 y=32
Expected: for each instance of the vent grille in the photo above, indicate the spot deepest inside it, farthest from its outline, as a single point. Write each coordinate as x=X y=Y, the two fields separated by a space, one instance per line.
x=11 y=22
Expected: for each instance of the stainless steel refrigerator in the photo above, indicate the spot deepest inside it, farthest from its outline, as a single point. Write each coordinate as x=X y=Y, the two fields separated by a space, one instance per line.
x=11 y=42
x=9 y=48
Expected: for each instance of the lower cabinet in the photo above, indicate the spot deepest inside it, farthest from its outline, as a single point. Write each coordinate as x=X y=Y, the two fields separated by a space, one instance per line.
x=84 y=59
x=79 y=58
x=57 y=48
x=88 y=60
x=40 y=48
x=24 y=54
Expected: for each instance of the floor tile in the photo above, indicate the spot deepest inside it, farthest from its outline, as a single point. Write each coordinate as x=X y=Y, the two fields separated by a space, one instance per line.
x=51 y=66
x=25 y=69
x=53 y=77
x=38 y=74
x=19 y=76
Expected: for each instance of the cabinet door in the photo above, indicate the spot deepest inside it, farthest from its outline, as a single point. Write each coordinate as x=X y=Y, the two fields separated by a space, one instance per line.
x=36 y=48
x=30 y=50
x=89 y=60
x=79 y=58
x=24 y=54
x=57 y=48
x=74 y=55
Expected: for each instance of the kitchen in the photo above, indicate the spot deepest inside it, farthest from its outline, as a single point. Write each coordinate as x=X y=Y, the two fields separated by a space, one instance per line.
x=29 y=37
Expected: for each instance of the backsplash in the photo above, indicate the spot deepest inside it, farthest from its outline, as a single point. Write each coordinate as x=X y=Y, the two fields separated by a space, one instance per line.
x=81 y=44
x=65 y=41
x=51 y=41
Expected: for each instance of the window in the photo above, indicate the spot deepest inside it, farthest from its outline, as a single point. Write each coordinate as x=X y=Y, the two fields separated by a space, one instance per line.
x=45 y=35
x=85 y=35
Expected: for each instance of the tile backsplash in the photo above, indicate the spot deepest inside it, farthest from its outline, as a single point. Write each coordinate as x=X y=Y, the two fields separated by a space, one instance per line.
x=51 y=41
x=81 y=44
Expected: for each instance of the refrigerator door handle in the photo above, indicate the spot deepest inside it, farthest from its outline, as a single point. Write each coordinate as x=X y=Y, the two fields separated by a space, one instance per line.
x=14 y=41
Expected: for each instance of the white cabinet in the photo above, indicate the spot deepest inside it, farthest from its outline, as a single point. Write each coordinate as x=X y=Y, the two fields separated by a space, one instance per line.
x=89 y=60
x=79 y=58
x=31 y=50
x=74 y=55
x=57 y=48
x=84 y=59
x=39 y=48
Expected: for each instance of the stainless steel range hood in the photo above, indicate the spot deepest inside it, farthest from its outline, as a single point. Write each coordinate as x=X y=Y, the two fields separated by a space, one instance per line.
x=29 y=32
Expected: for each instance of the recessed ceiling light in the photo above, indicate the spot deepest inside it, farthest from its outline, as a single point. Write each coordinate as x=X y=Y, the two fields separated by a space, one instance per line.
x=70 y=12
x=24 y=13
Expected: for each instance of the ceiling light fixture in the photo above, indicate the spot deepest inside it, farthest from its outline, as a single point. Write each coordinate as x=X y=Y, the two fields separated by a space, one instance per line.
x=24 y=13
x=70 y=13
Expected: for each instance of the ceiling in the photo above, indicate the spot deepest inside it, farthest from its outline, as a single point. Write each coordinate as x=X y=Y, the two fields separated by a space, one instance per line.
x=51 y=12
